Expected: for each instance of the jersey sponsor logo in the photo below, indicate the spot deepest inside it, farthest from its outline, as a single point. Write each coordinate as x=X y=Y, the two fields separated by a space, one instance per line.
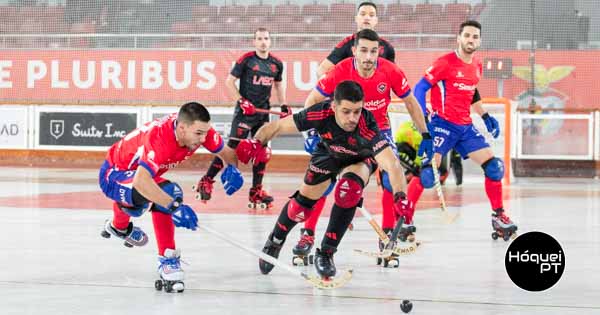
x=318 y=170
x=460 y=75
x=381 y=87
x=262 y=80
x=340 y=149
x=169 y=165
x=379 y=145
x=375 y=104
x=327 y=136
x=464 y=87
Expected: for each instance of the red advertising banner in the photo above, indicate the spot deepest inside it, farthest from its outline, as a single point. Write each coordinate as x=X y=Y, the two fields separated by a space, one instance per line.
x=563 y=78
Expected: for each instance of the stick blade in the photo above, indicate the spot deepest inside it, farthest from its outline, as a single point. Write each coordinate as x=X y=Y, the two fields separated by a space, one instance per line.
x=333 y=283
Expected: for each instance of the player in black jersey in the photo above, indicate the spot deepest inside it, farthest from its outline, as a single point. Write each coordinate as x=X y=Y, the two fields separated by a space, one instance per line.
x=258 y=72
x=366 y=17
x=351 y=147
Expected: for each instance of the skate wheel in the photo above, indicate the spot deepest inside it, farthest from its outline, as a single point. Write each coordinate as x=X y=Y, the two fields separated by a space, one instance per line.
x=305 y=260
x=385 y=263
x=251 y=205
x=178 y=286
x=295 y=261
x=311 y=259
x=127 y=245
x=105 y=234
x=379 y=260
x=402 y=238
x=198 y=197
x=506 y=237
x=158 y=285
x=394 y=263
x=262 y=206
x=494 y=236
x=194 y=188
x=169 y=287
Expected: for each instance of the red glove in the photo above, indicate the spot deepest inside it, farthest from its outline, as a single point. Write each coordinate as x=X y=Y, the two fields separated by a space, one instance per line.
x=248 y=149
x=403 y=207
x=247 y=107
x=285 y=111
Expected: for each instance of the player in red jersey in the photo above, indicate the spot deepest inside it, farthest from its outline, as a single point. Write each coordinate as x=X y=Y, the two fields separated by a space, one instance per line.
x=132 y=177
x=259 y=72
x=366 y=18
x=453 y=80
x=378 y=78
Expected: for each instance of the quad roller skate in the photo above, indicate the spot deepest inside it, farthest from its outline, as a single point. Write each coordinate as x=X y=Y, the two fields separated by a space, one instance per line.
x=324 y=263
x=407 y=233
x=259 y=199
x=503 y=226
x=170 y=272
x=132 y=236
x=204 y=188
x=302 y=256
x=272 y=248
x=390 y=262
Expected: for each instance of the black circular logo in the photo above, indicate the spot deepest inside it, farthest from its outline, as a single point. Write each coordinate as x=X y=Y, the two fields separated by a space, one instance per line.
x=535 y=261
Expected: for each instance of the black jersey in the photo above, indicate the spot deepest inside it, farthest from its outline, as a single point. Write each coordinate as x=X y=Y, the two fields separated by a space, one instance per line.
x=257 y=76
x=348 y=147
x=343 y=50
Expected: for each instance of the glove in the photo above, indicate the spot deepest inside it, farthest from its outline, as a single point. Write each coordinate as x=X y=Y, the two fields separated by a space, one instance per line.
x=232 y=179
x=403 y=207
x=247 y=107
x=426 y=148
x=248 y=149
x=285 y=111
x=311 y=141
x=491 y=124
x=184 y=216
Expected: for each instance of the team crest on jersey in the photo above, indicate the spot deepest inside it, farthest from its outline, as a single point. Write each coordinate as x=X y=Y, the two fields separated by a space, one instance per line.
x=351 y=141
x=460 y=75
x=256 y=67
x=327 y=136
x=381 y=87
x=273 y=68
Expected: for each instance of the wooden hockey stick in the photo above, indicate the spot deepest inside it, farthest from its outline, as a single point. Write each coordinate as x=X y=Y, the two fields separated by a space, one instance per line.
x=389 y=249
x=448 y=217
x=315 y=281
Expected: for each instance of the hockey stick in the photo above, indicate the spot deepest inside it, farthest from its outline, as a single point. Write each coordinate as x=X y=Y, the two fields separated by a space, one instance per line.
x=315 y=281
x=389 y=249
x=268 y=111
x=449 y=218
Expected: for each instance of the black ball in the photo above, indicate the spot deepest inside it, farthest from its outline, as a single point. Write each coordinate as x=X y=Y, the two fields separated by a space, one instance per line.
x=406 y=306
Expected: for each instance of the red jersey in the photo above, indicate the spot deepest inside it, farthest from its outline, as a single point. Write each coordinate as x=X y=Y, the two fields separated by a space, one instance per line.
x=155 y=147
x=377 y=89
x=453 y=86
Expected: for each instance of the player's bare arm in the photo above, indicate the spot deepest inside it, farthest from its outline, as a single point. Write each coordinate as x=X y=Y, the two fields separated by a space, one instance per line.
x=145 y=185
x=477 y=107
x=324 y=67
x=274 y=128
x=280 y=92
x=389 y=163
x=313 y=98
x=415 y=112
x=233 y=91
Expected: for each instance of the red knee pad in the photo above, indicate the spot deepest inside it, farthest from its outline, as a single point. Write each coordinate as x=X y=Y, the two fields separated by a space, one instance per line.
x=297 y=212
x=263 y=155
x=348 y=191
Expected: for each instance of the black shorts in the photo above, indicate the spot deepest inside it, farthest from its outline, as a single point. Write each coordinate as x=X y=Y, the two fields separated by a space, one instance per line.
x=323 y=166
x=241 y=127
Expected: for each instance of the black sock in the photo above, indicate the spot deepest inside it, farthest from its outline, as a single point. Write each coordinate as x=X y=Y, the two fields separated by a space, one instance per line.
x=258 y=172
x=338 y=224
x=215 y=167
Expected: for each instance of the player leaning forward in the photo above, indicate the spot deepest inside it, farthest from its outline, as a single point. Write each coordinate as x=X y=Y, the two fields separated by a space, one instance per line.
x=131 y=177
x=352 y=148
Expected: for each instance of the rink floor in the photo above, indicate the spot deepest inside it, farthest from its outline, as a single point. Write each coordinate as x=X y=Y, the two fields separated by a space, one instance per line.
x=55 y=262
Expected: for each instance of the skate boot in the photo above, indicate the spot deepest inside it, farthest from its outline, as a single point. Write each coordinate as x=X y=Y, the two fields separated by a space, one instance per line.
x=170 y=272
x=324 y=263
x=259 y=199
x=133 y=235
x=302 y=256
x=456 y=165
x=407 y=232
x=392 y=261
x=502 y=225
x=272 y=248
x=205 y=188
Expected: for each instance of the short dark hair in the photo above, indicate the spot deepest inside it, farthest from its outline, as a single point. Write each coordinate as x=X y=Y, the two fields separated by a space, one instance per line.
x=191 y=112
x=472 y=23
x=261 y=29
x=367 y=34
x=368 y=3
x=349 y=91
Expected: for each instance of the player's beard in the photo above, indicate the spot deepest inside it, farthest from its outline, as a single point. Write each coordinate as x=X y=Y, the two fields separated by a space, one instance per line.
x=468 y=49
